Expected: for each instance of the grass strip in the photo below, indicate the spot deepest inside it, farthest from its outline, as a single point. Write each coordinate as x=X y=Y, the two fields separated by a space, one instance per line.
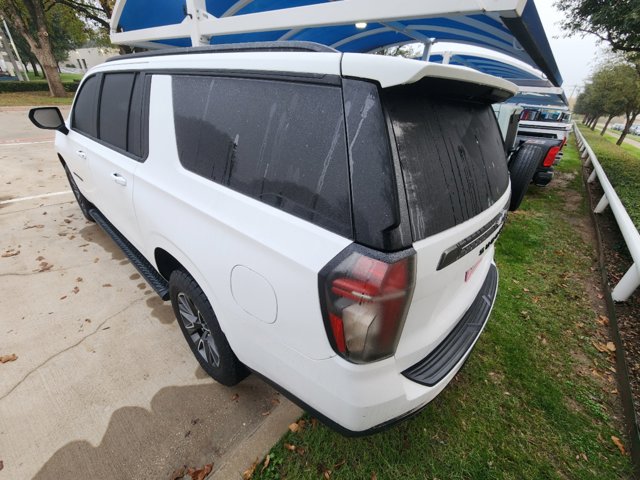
x=622 y=166
x=32 y=99
x=536 y=398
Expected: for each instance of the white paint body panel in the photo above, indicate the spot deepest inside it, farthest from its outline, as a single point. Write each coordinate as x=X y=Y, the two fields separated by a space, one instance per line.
x=239 y=249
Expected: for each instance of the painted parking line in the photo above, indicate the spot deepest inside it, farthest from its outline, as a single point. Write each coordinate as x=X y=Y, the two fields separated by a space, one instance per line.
x=10 y=144
x=32 y=197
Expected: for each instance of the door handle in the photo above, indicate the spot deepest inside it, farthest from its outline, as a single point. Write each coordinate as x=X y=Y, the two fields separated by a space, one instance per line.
x=119 y=179
x=81 y=154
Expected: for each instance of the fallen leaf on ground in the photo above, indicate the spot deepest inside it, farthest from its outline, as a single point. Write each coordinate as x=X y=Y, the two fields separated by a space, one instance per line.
x=294 y=427
x=178 y=473
x=600 y=347
x=618 y=444
x=235 y=397
x=63 y=297
x=291 y=448
x=8 y=358
x=79 y=279
x=374 y=476
x=40 y=258
x=75 y=289
x=248 y=473
x=10 y=253
x=611 y=347
x=200 y=473
x=33 y=226
x=1 y=464
x=45 y=267
x=340 y=464
x=106 y=285
x=602 y=320
x=266 y=463
x=264 y=414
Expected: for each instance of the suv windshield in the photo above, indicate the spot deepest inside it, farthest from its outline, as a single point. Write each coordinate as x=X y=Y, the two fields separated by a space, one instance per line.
x=452 y=157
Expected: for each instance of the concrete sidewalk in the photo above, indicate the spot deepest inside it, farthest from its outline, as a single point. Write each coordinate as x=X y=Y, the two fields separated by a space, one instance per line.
x=104 y=385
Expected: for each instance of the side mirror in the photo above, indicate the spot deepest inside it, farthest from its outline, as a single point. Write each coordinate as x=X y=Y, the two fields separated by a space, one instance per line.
x=48 y=118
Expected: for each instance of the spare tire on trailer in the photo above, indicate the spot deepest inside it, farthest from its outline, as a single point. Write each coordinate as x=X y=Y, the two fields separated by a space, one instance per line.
x=522 y=166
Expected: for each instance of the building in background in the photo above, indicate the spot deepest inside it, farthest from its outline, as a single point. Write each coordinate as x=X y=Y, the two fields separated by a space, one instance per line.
x=82 y=59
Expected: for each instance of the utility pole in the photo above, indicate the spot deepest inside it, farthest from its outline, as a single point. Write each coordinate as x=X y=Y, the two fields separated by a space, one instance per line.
x=7 y=48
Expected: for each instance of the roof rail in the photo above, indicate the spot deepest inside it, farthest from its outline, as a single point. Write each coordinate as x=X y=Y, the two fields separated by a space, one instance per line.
x=282 y=46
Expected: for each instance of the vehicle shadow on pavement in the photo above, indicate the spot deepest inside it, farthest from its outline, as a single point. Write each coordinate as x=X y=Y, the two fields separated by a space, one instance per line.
x=191 y=425
x=94 y=234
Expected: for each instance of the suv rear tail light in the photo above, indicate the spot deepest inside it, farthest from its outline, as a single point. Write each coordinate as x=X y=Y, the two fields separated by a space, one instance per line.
x=551 y=156
x=365 y=296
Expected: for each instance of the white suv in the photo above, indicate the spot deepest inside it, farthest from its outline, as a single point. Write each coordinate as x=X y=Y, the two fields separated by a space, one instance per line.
x=325 y=220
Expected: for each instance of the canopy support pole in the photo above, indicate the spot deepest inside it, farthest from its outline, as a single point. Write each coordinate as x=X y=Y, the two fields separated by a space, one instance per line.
x=197 y=12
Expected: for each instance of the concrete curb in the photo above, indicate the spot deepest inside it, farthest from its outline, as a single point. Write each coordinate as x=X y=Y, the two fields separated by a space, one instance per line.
x=258 y=443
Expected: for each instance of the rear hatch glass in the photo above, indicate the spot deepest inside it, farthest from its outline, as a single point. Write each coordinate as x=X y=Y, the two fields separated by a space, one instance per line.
x=451 y=154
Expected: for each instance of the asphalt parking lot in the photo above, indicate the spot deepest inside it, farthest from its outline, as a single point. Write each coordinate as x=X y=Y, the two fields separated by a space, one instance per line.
x=104 y=385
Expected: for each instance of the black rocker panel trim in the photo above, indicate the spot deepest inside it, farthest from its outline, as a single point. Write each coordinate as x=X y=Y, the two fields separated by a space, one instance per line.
x=435 y=366
x=146 y=269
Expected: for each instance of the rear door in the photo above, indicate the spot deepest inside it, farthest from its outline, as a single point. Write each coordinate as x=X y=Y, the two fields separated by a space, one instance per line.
x=117 y=153
x=457 y=187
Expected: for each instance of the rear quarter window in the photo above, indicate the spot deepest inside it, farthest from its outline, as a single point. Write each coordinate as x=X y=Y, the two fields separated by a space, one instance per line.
x=280 y=142
x=451 y=154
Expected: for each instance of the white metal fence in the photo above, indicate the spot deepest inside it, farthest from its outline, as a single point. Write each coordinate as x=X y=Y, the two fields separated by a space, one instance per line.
x=631 y=280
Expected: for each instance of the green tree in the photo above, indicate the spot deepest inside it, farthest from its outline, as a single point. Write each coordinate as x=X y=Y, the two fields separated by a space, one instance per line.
x=628 y=82
x=44 y=33
x=616 y=22
x=609 y=89
x=29 y=19
x=67 y=31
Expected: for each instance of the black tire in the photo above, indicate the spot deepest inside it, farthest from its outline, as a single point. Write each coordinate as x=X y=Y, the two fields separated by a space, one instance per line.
x=522 y=167
x=202 y=331
x=83 y=203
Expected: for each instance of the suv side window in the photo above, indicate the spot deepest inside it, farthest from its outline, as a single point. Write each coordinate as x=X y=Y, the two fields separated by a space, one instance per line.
x=114 y=108
x=280 y=142
x=85 y=108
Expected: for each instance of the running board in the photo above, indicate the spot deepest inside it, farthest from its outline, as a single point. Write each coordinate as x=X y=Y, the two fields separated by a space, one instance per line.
x=148 y=271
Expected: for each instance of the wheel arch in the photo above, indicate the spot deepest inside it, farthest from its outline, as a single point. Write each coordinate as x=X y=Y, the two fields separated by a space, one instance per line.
x=166 y=263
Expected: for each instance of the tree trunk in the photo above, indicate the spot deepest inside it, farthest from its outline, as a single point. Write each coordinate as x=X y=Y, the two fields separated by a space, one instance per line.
x=626 y=128
x=595 y=122
x=40 y=46
x=606 y=125
x=34 y=66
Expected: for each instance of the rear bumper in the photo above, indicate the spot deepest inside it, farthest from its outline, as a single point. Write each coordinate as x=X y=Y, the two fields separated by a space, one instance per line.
x=360 y=400
x=434 y=367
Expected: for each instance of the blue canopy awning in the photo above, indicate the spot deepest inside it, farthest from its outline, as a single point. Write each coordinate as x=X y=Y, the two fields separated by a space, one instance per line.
x=487 y=65
x=511 y=27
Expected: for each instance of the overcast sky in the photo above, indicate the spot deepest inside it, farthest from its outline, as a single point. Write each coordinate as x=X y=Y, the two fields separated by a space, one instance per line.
x=575 y=56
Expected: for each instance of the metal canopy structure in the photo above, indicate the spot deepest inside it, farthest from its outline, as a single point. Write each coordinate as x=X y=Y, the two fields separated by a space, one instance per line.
x=533 y=88
x=486 y=64
x=511 y=27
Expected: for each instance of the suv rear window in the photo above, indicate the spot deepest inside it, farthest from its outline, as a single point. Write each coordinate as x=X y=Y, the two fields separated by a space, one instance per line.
x=280 y=142
x=452 y=157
